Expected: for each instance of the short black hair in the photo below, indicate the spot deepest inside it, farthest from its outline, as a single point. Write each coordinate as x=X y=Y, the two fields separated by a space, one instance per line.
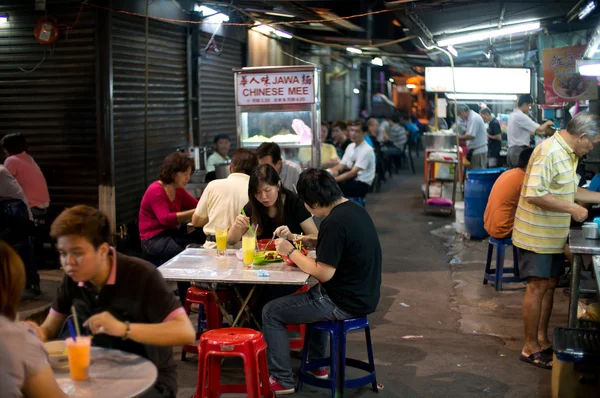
x=269 y=149
x=243 y=161
x=486 y=111
x=339 y=124
x=14 y=143
x=318 y=187
x=524 y=158
x=524 y=99
x=220 y=137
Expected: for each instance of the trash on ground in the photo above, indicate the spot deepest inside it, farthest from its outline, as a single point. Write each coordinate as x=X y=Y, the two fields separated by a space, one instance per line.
x=404 y=305
x=412 y=337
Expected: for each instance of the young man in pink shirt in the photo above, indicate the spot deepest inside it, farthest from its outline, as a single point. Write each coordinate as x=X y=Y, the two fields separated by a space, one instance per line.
x=27 y=172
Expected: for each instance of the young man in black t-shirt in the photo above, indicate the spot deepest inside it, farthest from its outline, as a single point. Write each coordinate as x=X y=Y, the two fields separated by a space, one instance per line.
x=123 y=301
x=348 y=267
x=494 y=133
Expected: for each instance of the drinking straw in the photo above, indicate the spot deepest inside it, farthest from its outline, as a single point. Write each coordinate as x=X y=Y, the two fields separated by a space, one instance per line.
x=71 y=329
x=75 y=320
x=249 y=226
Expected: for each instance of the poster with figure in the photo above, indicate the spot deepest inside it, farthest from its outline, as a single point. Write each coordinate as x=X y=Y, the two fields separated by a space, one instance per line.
x=562 y=83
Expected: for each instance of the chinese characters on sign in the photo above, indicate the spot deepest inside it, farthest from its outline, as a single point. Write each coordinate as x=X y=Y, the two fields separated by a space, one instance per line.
x=562 y=83
x=275 y=88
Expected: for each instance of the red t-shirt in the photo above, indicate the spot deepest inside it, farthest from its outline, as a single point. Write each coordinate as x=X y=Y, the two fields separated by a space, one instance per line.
x=158 y=213
x=499 y=216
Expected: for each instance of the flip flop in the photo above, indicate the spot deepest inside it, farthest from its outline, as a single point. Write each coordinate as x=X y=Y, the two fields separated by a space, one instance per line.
x=548 y=352
x=538 y=360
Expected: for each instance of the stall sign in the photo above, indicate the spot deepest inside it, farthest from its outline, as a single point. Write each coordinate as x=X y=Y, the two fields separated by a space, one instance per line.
x=275 y=88
x=562 y=83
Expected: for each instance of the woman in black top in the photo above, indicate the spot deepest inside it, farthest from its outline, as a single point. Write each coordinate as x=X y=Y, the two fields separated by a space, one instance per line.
x=276 y=210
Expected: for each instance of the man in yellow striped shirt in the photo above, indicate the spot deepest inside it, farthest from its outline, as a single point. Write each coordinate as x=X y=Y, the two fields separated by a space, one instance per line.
x=547 y=203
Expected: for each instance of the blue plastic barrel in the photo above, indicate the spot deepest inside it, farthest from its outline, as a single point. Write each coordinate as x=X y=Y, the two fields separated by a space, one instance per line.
x=477 y=191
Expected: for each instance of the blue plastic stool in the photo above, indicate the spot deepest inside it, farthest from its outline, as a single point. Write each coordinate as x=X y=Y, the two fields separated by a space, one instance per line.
x=497 y=275
x=360 y=201
x=337 y=362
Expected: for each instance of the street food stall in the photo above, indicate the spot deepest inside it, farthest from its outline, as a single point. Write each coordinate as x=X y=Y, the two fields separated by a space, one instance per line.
x=280 y=105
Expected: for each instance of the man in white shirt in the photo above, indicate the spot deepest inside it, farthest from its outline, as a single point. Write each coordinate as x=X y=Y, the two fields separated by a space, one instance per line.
x=520 y=128
x=221 y=145
x=289 y=172
x=223 y=199
x=359 y=158
x=477 y=135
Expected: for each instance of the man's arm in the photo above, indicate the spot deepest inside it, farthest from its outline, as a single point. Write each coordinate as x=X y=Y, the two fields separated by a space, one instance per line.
x=587 y=196
x=550 y=203
x=198 y=221
x=496 y=137
x=50 y=328
x=321 y=272
x=542 y=127
x=348 y=175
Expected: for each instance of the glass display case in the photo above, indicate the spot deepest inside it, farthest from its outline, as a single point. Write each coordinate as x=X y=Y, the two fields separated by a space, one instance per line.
x=280 y=105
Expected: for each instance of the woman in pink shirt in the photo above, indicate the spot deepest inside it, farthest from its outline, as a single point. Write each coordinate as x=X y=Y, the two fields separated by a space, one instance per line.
x=27 y=173
x=166 y=208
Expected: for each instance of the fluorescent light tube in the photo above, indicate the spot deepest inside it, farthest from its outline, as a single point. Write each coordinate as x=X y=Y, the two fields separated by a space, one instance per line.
x=453 y=51
x=354 y=50
x=411 y=86
x=377 y=61
x=356 y=91
x=283 y=34
x=488 y=34
x=589 y=7
x=460 y=96
x=213 y=15
x=588 y=67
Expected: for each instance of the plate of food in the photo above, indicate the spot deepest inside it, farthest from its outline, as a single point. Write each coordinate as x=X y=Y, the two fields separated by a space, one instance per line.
x=267 y=257
x=570 y=86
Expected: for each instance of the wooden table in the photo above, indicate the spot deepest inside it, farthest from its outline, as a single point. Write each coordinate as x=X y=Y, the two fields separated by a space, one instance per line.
x=580 y=246
x=113 y=373
x=204 y=266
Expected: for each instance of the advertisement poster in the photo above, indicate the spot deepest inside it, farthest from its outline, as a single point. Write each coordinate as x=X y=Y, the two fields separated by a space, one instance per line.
x=275 y=88
x=562 y=83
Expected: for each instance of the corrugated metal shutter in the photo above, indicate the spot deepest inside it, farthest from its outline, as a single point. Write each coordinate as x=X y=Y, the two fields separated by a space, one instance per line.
x=167 y=105
x=54 y=106
x=217 y=95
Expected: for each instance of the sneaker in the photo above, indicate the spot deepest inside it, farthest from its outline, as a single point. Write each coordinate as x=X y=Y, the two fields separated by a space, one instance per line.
x=278 y=389
x=321 y=373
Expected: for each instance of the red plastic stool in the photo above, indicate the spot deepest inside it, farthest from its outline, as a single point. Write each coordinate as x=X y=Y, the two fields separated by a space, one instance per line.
x=214 y=318
x=232 y=342
x=298 y=343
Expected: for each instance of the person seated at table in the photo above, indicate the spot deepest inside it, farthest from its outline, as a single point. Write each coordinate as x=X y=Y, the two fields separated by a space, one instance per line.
x=24 y=368
x=347 y=266
x=339 y=133
x=27 y=173
x=270 y=153
x=329 y=156
x=165 y=209
x=222 y=199
x=276 y=210
x=499 y=216
x=122 y=301
x=359 y=160
x=221 y=145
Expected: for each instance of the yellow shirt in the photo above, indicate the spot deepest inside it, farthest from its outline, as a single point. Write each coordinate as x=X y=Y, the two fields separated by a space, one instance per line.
x=328 y=153
x=551 y=170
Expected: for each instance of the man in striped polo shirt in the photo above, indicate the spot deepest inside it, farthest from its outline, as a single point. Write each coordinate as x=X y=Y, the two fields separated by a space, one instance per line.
x=542 y=221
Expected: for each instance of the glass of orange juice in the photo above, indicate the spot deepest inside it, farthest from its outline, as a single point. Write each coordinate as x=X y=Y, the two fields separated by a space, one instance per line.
x=221 y=238
x=248 y=248
x=78 y=352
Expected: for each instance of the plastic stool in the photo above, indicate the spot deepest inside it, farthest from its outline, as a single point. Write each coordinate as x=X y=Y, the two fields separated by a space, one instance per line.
x=214 y=318
x=298 y=343
x=337 y=361
x=232 y=342
x=497 y=275
x=360 y=201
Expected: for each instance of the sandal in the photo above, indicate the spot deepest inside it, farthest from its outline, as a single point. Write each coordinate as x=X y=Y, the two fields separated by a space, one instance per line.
x=538 y=359
x=548 y=352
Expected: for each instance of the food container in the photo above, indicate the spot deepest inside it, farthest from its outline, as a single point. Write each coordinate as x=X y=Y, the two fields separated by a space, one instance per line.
x=590 y=230
x=263 y=245
x=440 y=141
x=57 y=354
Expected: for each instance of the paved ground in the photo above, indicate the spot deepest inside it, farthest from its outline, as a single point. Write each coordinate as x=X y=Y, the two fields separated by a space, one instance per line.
x=468 y=335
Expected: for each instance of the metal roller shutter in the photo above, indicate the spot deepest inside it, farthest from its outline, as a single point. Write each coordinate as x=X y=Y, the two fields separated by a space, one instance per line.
x=167 y=105
x=54 y=106
x=217 y=95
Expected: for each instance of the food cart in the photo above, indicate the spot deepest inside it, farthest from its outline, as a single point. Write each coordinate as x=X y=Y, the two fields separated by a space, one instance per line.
x=280 y=105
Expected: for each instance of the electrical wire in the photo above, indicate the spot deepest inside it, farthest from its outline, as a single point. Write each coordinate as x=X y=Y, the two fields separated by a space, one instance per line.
x=298 y=59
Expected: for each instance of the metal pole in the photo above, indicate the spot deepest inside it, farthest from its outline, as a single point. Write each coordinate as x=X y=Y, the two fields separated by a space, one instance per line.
x=574 y=298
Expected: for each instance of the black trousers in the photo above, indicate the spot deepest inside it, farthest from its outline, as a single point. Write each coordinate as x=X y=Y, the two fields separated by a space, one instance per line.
x=354 y=189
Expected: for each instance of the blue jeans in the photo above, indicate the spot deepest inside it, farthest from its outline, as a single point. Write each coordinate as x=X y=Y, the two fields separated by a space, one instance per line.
x=307 y=307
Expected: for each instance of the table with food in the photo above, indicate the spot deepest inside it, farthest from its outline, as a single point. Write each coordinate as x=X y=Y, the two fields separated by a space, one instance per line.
x=248 y=267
